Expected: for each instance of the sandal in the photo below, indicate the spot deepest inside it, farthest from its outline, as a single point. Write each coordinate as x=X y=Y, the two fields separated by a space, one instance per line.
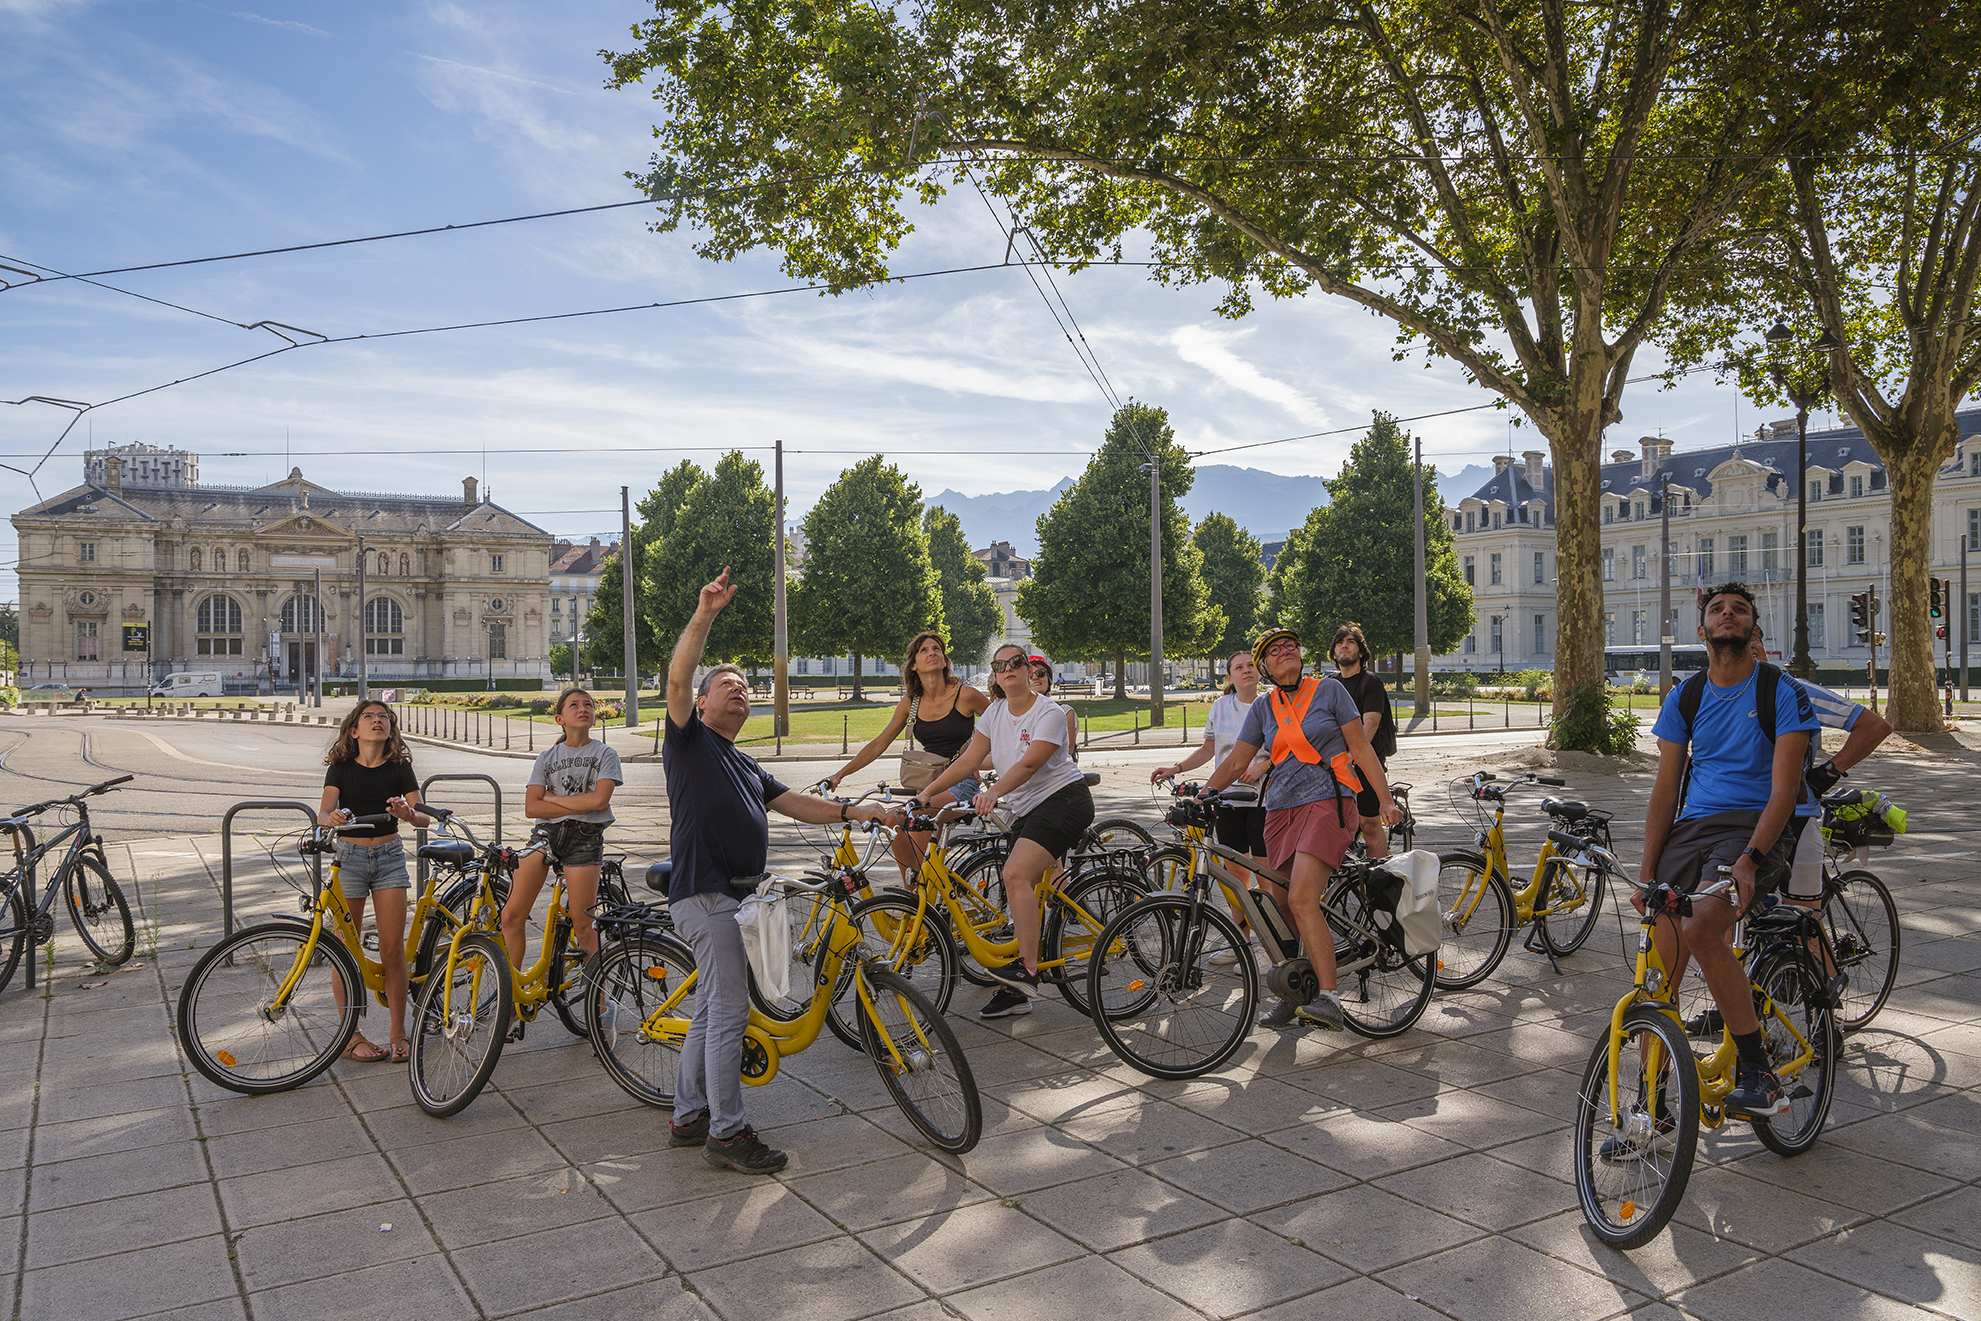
x=402 y=1049
x=358 y=1048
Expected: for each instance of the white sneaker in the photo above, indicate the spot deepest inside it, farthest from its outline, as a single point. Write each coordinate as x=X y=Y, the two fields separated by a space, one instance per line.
x=1224 y=958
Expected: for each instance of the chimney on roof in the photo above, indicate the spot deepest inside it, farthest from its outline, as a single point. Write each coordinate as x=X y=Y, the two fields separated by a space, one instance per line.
x=594 y=543
x=113 y=474
x=468 y=485
x=1501 y=462
x=1533 y=458
x=1656 y=450
x=1621 y=456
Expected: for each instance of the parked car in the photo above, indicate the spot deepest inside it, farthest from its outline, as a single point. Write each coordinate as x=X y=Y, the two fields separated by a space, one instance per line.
x=59 y=693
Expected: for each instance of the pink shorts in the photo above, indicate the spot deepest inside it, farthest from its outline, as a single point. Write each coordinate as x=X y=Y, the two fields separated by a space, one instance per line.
x=1311 y=828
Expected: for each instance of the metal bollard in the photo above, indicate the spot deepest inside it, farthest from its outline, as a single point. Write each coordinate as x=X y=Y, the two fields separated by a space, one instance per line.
x=842 y=735
x=505 y=733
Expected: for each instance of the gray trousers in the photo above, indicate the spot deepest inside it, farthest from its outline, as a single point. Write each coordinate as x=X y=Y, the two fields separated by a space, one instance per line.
x=711 y=1073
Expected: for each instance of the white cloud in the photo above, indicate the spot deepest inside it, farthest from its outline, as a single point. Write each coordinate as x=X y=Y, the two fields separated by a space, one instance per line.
x=1212 y=350
x=290 y=24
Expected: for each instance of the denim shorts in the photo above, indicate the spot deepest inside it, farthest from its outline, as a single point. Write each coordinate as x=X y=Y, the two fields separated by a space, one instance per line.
x=965 y=790
x=572 y=843
x=364 y=868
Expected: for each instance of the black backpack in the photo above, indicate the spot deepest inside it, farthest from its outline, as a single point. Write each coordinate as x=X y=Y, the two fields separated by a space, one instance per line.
x=1384 y=743
x=1767 y=687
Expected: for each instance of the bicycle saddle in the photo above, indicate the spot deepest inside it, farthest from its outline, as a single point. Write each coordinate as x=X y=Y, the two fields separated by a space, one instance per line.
x=660 y=875
x=1565 y=808
x=451 y=852
x=1090 y=778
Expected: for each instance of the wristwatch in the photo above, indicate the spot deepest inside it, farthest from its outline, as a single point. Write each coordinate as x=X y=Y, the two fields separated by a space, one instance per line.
x=1759 y=857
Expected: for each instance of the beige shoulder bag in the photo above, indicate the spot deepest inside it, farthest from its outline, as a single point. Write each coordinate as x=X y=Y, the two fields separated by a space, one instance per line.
x=919 y=768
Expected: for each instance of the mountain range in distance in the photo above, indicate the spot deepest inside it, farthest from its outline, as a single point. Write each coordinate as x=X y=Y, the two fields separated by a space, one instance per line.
x=1265 y=504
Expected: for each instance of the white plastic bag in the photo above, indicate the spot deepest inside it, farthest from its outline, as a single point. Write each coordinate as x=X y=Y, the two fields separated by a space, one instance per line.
x=1417 y=906
x=767 y=939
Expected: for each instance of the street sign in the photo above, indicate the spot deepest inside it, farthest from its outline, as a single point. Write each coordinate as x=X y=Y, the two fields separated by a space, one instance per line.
x=137 y=637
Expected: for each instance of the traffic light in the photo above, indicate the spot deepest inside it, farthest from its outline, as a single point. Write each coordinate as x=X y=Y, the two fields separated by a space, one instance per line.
x=1860 y=616
x=1940 y=632
x=1936 y=607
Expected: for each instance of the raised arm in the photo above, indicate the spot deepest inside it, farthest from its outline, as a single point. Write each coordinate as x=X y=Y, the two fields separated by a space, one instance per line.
x=688 y=650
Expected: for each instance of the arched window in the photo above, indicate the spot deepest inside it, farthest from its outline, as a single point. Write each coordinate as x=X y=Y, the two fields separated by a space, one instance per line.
x=241 y=561
x=299 y=615
x=219 y=626
x=385 y=626
x=194 y=562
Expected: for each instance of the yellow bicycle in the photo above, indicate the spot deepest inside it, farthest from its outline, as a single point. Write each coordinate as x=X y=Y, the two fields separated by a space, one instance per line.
x=641 y=999
x=1560 y=902
x=1646 y=1091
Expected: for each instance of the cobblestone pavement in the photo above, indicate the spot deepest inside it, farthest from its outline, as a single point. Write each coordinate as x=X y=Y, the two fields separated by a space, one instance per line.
x=1316 y=1175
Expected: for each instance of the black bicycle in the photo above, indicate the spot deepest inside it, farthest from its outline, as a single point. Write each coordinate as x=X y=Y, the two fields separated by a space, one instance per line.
x=95 y=902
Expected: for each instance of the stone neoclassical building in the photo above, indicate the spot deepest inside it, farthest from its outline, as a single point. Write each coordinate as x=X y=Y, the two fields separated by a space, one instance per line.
x=1733 y=516
x=456 y=588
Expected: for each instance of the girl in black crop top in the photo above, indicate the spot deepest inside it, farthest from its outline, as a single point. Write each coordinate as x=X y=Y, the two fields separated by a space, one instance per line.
x=946 y=711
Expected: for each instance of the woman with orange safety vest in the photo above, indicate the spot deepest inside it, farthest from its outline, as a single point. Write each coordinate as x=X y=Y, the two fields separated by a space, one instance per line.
x=1317 y=741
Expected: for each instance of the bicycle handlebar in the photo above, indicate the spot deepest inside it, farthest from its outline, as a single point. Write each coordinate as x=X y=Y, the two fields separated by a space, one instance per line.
x=1595 y=852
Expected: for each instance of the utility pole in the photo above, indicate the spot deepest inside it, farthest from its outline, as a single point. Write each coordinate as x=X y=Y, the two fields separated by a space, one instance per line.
x=1664 y=588
x=316 y=620
x=364 y=660
x=1422 y=705
x=1155 y=590
x=632 y=663
x=1966 y=617
x=780 y=625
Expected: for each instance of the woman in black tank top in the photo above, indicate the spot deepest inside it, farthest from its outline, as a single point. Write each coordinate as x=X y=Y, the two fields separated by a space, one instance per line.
x=945 y=716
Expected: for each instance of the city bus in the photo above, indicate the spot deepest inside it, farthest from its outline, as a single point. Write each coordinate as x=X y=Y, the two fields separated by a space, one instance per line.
x=1629 y=665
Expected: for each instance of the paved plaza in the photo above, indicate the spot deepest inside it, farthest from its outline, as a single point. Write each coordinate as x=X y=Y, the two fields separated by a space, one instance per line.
x=1317 y=1175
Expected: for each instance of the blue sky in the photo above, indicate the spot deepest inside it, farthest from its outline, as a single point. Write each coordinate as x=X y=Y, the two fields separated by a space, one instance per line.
x=134 y=132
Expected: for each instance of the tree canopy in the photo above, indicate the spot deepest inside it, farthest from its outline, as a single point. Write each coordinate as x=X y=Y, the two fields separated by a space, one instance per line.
x=1355 y=559
x=1519 y=190
x=1234 y=578
x=730 y=519
x=969 y=607
x=1088 y=596
x=605 y=633
x=868 y=586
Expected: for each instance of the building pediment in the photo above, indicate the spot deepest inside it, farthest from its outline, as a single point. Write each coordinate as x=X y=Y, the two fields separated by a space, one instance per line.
x=303 y=523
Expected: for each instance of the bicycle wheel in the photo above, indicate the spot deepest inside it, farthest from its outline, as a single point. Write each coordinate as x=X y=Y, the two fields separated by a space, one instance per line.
x=567 y=981
x=1073 y=926
x=924 y=1070
x=1383 y=992
x=459 y=1024
x=1575 y=895
x=921 y=952
x=13 y=931
x=230 y=1027
x=1863 y=928
x=1168 y=870
x=1630 y=1174
x=1475 y=908
x=98 y=908
x=1118 y=832
x=1161 y=999
x=1801 y=998
x=632 y=980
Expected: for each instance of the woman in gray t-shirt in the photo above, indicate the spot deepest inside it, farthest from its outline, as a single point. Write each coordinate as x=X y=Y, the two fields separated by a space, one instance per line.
x=570 y=797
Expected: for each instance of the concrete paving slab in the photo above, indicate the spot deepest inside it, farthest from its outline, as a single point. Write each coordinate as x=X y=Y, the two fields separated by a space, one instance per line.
x=651 y=1300
x=119 y=1174
x=438 y=1166
x=1835 y=1173
x=410 y=1126
x=1091 y=1286
x=1243 y=1177
x=89 y=1230
x=313 y=1247
x=1495 y=1280
x=1013 y=1164
x=1726 y=1203
x=763 y=1216
x=840 y=1141
x=1492 y=1194
x=1114 y=1210
x=1362 y=1298
x=1230 y=1268
x=1896 y=1261
x=1791 y=1290
x=1256 y=1104
x=1366 y=1146
x=1678 y=1257
x=132 y=1283
x=838 y=1280
x=490 y=1211
x=233 y=1113
x=1363 y=1084
x=556 y=1265
x=330 y=1138
x=1142 y=1135
x=417 y=1290
x=1474 y=1119
x=1367 y=1229
x=63 y=1100
x=1955 y=1217
x=220 y=1309
x=1907 y=1139
x=882 y=1192
x=260 y=1199
x=971 y=1246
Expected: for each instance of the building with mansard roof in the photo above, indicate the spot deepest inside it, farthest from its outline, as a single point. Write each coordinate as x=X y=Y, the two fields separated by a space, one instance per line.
x=1732 y=517
x=225 y=579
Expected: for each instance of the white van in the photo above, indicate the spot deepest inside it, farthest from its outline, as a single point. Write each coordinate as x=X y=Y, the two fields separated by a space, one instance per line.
x=188 y=685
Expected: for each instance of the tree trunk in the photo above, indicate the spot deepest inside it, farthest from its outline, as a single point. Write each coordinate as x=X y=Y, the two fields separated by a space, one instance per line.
x=1120 y=676
x=1913 y=703
x=1576 y=441
x=856 y=676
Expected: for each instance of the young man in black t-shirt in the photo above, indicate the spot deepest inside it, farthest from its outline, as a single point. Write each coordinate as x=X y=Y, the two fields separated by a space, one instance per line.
x=719 y=839
x=1351 y=657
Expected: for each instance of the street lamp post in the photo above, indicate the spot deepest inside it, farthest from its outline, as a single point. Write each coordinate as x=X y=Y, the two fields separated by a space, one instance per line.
x=1802 y=393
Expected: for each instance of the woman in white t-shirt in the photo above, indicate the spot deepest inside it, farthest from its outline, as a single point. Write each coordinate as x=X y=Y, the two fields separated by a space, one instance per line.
x=1240 y=828
x=1024 y=735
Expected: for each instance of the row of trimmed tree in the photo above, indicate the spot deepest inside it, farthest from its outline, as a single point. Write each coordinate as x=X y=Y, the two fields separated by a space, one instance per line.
x=881 y=568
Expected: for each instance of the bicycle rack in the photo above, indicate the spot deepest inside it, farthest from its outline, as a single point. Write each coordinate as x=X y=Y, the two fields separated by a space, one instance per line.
x=419 y=835
x=227 y=851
